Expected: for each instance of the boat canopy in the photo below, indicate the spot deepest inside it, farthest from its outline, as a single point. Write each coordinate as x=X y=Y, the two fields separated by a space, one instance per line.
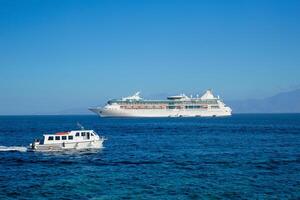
x=62 y=133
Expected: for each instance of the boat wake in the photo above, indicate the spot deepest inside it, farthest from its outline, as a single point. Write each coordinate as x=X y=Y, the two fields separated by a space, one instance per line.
x=13 y=148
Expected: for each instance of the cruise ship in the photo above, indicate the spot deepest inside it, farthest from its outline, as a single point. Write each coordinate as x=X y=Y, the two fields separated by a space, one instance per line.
x=206 y=105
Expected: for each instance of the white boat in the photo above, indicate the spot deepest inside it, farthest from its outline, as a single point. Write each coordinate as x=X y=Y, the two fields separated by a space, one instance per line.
x=75 y=139
x=206 y=105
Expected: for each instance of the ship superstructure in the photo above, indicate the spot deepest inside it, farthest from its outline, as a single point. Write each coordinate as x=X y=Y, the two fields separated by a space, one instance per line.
x=181 y=105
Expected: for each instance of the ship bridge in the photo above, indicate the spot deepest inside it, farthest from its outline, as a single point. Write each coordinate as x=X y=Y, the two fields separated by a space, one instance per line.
x=178 y=97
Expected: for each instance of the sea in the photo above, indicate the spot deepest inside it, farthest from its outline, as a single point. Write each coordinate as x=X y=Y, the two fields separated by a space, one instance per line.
x=245 y=156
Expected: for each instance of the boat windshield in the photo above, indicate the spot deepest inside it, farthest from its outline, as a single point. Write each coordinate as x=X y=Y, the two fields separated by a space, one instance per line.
x=42 y=141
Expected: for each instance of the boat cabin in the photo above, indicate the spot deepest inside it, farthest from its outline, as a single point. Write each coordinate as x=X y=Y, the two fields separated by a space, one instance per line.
x=69 y=137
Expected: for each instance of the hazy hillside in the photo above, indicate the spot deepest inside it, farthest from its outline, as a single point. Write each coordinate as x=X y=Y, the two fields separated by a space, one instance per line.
x=285 y=102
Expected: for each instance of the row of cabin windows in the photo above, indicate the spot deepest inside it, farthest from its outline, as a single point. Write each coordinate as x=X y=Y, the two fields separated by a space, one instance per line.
x=162 y=105
x=194 y=107
x=186 y=107
x=70 y=137
x=83 y=134
x=166 y=102
x=143 y=107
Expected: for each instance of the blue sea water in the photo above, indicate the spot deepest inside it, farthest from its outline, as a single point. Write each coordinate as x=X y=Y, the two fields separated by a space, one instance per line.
x=239 y=157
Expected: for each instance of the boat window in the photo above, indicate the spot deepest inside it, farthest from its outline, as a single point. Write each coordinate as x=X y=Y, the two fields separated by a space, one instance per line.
x=57 y=137
x=70 y=137
x=92 y=134
x=82 y=133
x=50 y=138
x=77 y=134
x=64 y=137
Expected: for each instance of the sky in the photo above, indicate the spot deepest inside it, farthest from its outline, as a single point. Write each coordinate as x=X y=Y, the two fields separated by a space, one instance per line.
x=59 y=54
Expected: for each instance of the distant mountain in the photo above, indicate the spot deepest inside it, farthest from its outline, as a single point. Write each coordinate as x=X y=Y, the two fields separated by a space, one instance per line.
x=75 y=111
x=71 y=111
x=285 y=102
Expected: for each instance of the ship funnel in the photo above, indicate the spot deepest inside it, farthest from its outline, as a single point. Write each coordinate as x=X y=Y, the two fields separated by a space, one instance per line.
x=208 y=95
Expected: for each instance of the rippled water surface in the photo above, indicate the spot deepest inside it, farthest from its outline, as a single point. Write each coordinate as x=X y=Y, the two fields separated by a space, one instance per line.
x=240 y=157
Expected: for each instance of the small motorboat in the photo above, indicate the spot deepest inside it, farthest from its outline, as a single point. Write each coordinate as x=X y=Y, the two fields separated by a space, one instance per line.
x=75 y=139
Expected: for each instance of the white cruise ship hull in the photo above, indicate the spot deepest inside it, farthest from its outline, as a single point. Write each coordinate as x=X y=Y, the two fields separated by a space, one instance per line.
x=102 y=112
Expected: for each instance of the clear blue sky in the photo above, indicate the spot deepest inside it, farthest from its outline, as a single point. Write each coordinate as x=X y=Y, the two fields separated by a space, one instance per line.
x=56 y=55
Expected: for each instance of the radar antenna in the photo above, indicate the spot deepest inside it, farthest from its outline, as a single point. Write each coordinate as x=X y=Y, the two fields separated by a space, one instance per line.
x=80 y=126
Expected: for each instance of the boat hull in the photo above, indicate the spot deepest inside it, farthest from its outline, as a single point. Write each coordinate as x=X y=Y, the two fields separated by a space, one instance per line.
x=93 y=144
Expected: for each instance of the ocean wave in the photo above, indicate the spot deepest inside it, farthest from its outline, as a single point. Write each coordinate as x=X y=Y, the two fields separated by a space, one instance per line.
x=13 y=148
